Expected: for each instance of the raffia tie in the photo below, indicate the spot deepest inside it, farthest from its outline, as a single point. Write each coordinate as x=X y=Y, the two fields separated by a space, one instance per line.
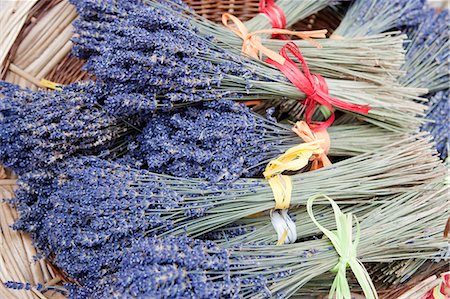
x=276 y=16
x=346 y=247
x=313 y=86
x=50 y=85
x=252 y=45
x=302 y=129
x=293 y=159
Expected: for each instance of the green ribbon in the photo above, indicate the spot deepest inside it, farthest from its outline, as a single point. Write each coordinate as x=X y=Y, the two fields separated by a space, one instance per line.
x=346 y=248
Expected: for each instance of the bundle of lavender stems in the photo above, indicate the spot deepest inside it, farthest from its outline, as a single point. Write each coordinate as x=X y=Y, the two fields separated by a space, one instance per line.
x=425 y=64
x=117 y=256
x=151 y=180
x=203 y=69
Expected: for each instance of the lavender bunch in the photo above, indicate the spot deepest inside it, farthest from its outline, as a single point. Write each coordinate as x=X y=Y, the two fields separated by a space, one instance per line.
x=82 y=215
x=186 y=268
x=87 y=230
x=172 y=267
x=438 y=114
x=161 y=56
x=214 y=141
x=204 y=206
x=38 y=128
x=427 y=56
x=392 y=170
x=224 y=141
x=131 y=47
x=364 y=58
x=367 y=17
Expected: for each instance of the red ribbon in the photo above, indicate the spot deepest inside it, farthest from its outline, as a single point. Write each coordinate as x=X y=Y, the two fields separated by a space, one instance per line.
x=314 y=86
x=275 y=15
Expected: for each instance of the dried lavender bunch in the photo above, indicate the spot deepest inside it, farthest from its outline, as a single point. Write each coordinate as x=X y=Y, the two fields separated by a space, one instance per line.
x=81 y=214
x=173 y=267
x=427 y=56
x=132 y=50
x=38 y=128
x=207 y=206
x=159 y=53
x=87 y=232
x=438 y=114
x=367 y=17
x=396 y=230
x=222 y=140
x=376 y=58
x=392 y=170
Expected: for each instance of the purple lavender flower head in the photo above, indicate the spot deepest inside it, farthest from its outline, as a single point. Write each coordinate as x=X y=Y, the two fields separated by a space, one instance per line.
x=153 y=58
x=218 y=140
x=88 y=213
x=172 y=267
x=38 y=128
x=439 y=127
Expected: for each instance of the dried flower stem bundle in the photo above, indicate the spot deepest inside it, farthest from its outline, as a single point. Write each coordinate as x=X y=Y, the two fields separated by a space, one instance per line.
x=395 y=230
x=193 y=67
x=392 y=227
x=358 y=179
x=224 y=141
x=376 y=58
x=195 y=207
x=261 y=139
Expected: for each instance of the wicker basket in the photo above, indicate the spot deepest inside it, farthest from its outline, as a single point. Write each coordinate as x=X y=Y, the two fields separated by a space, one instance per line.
x=35 y=43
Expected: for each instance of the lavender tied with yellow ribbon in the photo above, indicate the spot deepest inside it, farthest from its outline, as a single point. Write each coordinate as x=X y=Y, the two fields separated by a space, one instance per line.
x=293 y=159
x=342 y=240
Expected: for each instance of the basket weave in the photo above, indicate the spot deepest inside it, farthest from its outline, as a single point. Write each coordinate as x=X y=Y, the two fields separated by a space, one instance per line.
x=35 y=44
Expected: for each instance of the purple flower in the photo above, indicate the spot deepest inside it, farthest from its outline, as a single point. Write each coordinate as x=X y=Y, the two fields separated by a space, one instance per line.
x=152 y=57
x=172 y=267
x=84 y=213
x=217 y=140
x=439 y=115
x=38 y=128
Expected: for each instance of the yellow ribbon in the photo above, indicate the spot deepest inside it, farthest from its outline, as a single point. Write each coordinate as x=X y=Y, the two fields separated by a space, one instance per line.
x=293 y=159
x=50 y=85
x=252 y=45
x=344 y=245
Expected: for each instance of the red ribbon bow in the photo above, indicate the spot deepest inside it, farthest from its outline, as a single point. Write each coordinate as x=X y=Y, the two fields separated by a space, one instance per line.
x=275 y=15
x=314 y=86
